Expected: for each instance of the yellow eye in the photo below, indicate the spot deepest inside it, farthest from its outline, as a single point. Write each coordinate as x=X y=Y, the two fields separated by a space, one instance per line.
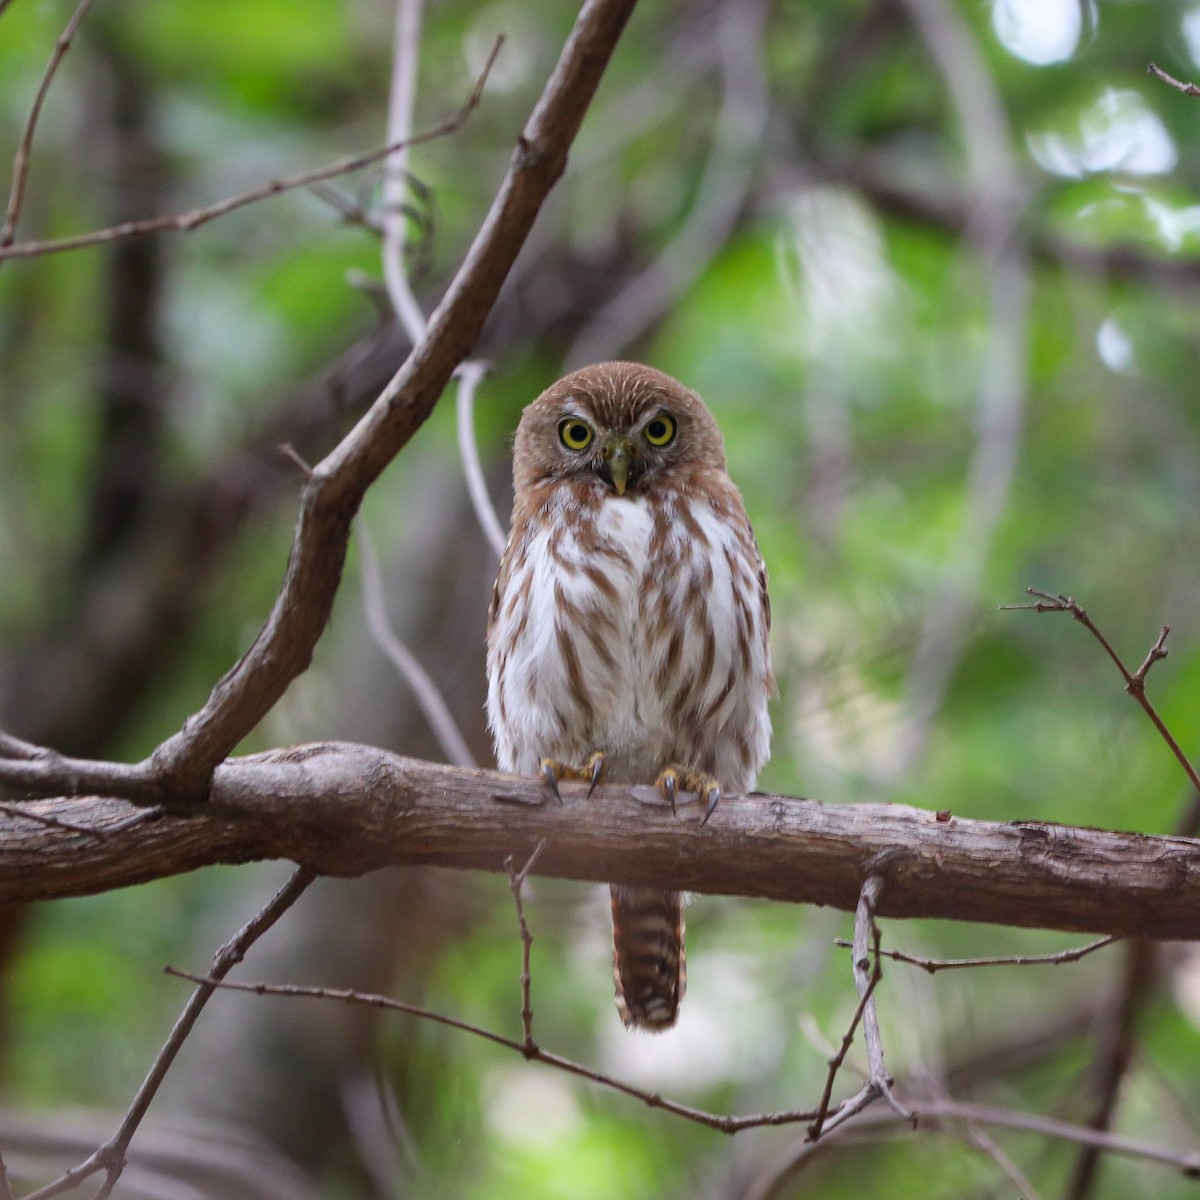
x=660 y=430
x=575 y=435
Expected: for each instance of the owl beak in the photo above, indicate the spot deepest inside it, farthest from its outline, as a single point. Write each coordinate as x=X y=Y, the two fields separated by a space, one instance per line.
x=617 y=453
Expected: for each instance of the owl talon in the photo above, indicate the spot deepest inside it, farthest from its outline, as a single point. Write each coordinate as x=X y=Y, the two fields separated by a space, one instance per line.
x=591 y=773
x=549 y=773
x=673 y=780
x=668 y=784
x=598 y=767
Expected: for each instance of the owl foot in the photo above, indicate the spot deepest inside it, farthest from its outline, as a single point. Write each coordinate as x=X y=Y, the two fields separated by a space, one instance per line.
x=592 y=773
x=674 y=779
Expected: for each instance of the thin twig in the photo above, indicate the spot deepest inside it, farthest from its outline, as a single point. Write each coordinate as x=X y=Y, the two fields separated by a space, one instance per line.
x=1115 y=1035
x=1188 y=89
x=986 y=1144
x=1187 y=1161
x=395 y=273
x=424 y=689
x=933 y=965
x=401 y=100
x=879 y=1082
x=110 y=1157
x=15 y=747
x=835 y=1062
x=351 y=211
x=516 y=882
x=866 y=931
x=721 y=1122
x=21 y=162
x=188 y=221
x=52 y=774
x=1135 y=681
x=296 y=459
x=469 y=376
x=936 y=1113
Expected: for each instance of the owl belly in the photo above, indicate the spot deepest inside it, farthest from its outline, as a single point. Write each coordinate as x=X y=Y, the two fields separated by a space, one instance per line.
x=628 y=644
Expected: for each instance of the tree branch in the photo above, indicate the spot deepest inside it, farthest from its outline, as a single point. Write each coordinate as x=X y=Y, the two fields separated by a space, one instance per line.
x=111 y=1156
x=194 y=218
x=344 y=809
x=182 y=766
x=21 y=163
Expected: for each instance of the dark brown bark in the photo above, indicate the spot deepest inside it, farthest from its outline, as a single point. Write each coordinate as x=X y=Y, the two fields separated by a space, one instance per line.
x=347 y=809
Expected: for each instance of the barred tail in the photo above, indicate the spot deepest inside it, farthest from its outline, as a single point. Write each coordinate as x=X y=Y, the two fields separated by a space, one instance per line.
x=648 y=965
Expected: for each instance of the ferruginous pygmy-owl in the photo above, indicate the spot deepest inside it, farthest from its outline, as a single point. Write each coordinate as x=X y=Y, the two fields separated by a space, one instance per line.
x=628 y=627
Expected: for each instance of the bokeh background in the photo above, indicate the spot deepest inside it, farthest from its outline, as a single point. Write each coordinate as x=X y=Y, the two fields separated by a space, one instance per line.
x=934 y=266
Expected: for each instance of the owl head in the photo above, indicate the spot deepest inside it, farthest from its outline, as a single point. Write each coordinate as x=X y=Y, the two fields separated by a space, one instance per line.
x=619 y=427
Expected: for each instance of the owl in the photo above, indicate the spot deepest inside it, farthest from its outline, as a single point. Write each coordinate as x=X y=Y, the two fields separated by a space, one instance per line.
x=627 y=637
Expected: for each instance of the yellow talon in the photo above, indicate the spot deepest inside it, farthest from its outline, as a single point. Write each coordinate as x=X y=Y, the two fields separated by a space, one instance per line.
x=673 y=779
x=591 y=773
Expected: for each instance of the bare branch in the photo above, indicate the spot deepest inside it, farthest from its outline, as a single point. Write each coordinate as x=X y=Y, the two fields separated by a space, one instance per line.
x=879 y=1082
x=184 y=763
x=428 y=695
x=395 y=180
x=186 y=222
x=16 y=195
x=939 y=1111
x=15 y=747
x=835 y=1063
x=110 y=1157
x=1135 y=681
x=944 y=1115
x=973 y=1135
x=932 y=1113
x=933 y=965
x=516 y=882
x=399 y=288
x=469 y=376
x=345 y=809
x=1116 y=1039
x=532 y=1051
x=1188 y=89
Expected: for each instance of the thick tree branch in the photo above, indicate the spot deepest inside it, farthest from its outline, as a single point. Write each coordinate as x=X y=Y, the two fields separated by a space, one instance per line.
x=344 y=809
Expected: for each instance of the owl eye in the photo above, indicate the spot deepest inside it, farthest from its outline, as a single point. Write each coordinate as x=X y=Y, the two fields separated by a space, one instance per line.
x=575 y=435
x=661 y=430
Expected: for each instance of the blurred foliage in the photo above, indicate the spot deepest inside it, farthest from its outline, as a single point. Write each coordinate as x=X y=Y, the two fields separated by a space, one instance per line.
x=839 y=335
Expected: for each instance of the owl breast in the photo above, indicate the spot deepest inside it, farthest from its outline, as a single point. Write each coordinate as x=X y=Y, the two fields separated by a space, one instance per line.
x=631 y=627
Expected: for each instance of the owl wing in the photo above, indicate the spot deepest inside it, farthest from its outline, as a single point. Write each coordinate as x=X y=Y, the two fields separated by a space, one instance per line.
x=499 y=588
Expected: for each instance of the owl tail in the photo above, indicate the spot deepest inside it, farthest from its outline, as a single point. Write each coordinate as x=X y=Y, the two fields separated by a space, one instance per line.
x=648 y=966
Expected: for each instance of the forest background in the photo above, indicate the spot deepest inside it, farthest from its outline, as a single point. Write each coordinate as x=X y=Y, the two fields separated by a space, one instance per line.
x=935 y=268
